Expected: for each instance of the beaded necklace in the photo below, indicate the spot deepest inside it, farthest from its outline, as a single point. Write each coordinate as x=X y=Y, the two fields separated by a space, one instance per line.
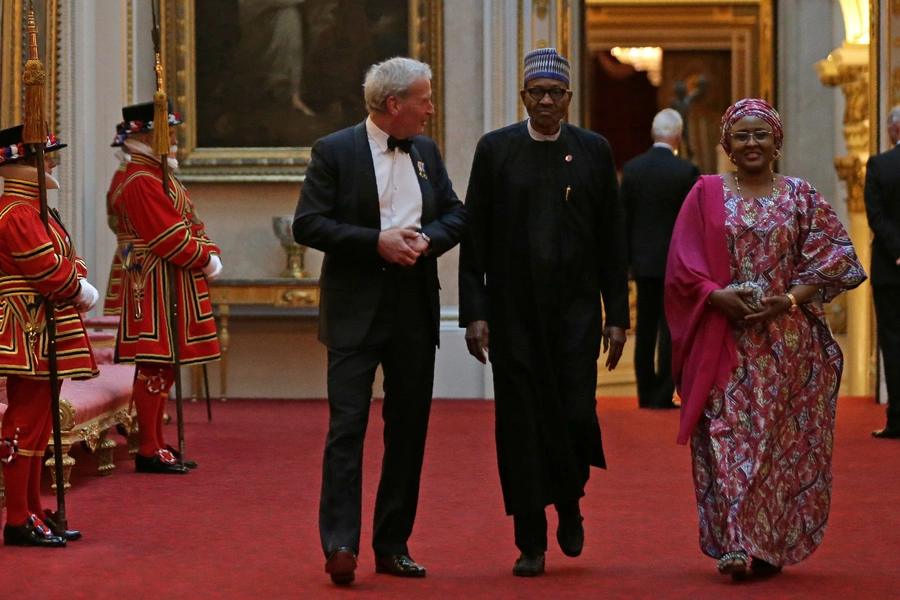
x=737 y=184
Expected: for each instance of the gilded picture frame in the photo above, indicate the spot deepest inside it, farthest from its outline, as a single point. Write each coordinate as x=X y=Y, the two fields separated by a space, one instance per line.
x=13 y=16
x=202 y=155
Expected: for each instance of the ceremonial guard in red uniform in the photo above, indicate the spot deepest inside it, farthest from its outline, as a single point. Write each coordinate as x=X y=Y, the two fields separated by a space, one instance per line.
x=156 y=231
x=33 y=268
x=112 y=303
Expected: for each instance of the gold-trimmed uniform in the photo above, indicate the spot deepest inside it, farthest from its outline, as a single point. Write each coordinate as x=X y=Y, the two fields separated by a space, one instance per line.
x=33 y=266
x=112 y=303
x=156 y=230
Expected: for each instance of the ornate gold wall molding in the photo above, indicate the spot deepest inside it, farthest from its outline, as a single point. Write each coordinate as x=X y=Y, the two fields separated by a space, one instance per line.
x=128 y=55
x=12 y=31
x=854 y=68
x=848 y=68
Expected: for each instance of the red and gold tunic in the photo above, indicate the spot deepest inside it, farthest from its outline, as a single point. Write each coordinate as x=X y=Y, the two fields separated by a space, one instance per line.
x=32 y=266
x=158 y=231
x=112 y=303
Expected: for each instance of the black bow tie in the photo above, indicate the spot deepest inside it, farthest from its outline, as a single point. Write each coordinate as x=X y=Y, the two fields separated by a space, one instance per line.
x=404 y=145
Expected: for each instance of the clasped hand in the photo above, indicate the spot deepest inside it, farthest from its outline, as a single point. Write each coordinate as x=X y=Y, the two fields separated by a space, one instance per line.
x=401 y=246
x=731 y=303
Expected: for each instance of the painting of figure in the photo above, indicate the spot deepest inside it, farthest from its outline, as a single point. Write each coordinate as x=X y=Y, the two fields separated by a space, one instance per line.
x=282 y=73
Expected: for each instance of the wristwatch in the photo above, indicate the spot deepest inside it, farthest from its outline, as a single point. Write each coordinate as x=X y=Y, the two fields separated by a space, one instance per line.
x=426 y=238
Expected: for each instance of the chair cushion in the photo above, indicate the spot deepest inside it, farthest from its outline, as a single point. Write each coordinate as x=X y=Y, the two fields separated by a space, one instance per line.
x=102 y=322
x=103 y=344
x=94 y=397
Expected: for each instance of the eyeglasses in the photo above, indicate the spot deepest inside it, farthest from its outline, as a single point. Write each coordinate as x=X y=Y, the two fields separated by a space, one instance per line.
x=538 y=93
x=742 y=137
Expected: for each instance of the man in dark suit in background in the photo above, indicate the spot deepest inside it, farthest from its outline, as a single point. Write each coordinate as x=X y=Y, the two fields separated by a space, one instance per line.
x=882 y=196
x=654 y=186
x=377 y=201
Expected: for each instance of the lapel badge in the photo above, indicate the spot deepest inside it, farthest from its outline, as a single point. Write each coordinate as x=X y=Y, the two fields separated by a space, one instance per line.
x=568 y=158
x=421 y=167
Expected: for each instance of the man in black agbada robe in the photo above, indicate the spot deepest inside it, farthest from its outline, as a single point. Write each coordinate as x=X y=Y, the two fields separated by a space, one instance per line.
x=546 y=244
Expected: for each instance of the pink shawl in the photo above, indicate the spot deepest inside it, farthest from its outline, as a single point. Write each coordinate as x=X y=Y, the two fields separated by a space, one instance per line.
x=703 y=352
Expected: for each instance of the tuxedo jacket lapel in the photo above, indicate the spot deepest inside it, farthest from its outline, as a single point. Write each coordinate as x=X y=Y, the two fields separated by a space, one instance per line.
x=367 y=186
x=428 y=208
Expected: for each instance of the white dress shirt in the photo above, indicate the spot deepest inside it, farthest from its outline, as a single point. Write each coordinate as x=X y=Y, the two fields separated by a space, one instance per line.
x=664 y=145
x=399 y=194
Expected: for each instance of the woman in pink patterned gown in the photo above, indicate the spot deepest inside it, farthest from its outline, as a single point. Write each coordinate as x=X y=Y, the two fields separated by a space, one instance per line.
x=753 y=257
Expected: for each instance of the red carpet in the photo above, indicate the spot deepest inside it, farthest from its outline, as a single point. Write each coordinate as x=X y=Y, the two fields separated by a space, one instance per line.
x=244 y=524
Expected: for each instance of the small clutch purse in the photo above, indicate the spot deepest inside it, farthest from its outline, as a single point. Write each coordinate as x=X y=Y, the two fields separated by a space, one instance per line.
x=754 y=301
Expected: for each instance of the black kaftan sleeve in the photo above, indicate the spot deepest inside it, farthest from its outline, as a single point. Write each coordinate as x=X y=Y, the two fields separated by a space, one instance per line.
x=612 y=251
x=473 y=295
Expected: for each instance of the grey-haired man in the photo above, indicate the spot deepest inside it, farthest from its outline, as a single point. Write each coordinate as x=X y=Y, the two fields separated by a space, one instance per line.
x=377 y=201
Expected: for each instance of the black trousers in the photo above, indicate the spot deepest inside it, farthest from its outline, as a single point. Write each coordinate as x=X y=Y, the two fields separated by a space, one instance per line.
x=654 y=383
x=401 y=340
x=531 y=528
x=887 y=318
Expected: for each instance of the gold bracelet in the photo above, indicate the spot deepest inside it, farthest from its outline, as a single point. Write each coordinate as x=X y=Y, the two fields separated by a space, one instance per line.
x=793 y=300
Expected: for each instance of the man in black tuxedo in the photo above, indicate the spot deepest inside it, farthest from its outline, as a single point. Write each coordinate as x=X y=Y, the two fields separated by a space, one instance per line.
x=377 y=201
x=882 y=196
x=654 y=186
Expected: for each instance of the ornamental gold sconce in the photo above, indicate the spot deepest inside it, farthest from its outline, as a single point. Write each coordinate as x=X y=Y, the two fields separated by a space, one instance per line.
x=295 y=252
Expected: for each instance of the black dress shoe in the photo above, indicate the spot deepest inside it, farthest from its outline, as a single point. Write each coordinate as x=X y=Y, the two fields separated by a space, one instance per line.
x=888 y=433
x=32 y=533
x=155 y=464
x=665 y=406
x=570 y=535
x=69 y=535
x=341 y=565
x=529 y=566
x=190 y=464
x=400 y=565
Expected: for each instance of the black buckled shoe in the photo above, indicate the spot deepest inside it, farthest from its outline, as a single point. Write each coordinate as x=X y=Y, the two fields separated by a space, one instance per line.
x=888 y=433
x=33 y=533
x=341 y=565
x=156 y=464
x=570 y=535
x=69 y=535
x=529 y=566
x=190 y=464
x=400 y=565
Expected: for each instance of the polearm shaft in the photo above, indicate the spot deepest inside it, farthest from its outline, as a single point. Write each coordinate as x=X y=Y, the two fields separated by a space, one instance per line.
x=35 y=134
x=161 y=147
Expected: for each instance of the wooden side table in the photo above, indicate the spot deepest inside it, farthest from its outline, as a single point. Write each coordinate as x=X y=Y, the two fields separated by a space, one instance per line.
x=258 y=299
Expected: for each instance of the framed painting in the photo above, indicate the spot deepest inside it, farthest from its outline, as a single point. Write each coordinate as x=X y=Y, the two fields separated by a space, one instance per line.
x=13 y=20
x=259 y=81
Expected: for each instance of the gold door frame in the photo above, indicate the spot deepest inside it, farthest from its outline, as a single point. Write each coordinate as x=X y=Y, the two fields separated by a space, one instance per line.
x=744 y=27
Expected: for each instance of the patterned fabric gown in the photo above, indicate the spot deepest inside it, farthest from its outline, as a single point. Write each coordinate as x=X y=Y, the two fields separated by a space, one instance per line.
x=762 y=449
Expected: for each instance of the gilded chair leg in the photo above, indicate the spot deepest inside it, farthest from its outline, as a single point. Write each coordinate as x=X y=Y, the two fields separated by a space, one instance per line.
x=68 y=463
x=104 y=452
x=134 y=440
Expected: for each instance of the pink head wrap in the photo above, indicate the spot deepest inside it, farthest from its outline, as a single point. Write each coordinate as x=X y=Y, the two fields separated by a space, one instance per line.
x=750 y=107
